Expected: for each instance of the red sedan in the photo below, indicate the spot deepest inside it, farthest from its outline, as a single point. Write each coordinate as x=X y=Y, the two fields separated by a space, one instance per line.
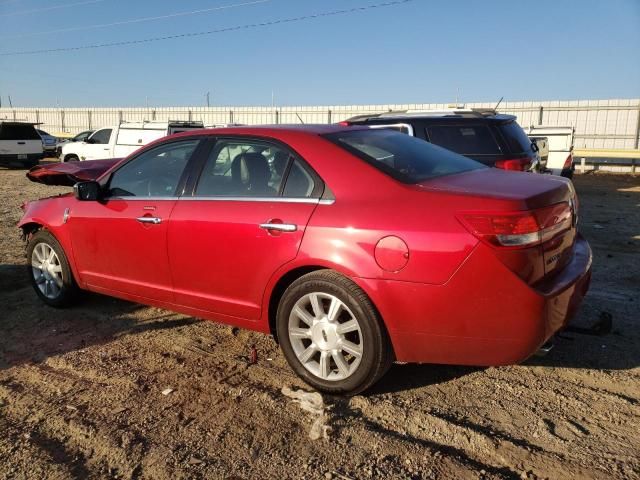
x=354 y=247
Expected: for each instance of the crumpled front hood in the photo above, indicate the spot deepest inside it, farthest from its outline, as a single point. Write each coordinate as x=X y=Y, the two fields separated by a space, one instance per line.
x=69 y=173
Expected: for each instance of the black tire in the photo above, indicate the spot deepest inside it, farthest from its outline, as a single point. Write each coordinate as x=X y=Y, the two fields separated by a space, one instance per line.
x=71 y=158
x=377 y=352
x=68 y=292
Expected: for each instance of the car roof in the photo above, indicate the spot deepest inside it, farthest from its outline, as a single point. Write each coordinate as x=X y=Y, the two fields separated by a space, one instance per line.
x=435 y=115
x=274 y=130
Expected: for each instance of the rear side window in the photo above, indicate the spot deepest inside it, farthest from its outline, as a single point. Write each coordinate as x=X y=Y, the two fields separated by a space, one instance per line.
x=515 y=137
x=464 y=139
x=18 y=131
x=300 y=183
x=243 y=168
x=403 y=157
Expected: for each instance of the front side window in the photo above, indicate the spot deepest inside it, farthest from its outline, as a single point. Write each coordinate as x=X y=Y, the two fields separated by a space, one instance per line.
x=244 y=168
x=465 y=140
x=154 y=173
x=403 y=157
x=101 y=136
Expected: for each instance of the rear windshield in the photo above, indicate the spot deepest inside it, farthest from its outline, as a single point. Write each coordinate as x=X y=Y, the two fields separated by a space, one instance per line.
x=464 y=139
x=403 y=157
x=515 y=137
x=16 y=131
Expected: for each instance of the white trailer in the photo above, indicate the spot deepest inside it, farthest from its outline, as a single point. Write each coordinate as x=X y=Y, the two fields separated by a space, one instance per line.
x=120 y=141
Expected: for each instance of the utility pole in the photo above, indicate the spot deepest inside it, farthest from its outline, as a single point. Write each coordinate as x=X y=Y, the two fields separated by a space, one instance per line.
x=10 y=104
x=208 y=103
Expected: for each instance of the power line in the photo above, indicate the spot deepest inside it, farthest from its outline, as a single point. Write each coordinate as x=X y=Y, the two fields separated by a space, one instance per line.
x=53 y=7
x=211 y=32
x=140 y=20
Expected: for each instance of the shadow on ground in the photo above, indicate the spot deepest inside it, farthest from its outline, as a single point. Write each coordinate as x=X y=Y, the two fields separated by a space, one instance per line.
x=31 y=332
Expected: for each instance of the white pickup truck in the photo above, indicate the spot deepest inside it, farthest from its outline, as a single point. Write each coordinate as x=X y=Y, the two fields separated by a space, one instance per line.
x=120 y=141
x=20 y=144
x=560 y=142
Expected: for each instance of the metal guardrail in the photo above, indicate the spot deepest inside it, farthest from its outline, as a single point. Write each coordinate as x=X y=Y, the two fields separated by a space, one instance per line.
x=607 y=153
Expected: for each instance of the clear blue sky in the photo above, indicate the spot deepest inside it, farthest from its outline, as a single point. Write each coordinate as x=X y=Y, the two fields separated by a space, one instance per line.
x=417 y=52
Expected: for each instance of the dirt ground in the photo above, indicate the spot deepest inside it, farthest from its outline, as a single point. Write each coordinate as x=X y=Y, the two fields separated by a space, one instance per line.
x=81 y=390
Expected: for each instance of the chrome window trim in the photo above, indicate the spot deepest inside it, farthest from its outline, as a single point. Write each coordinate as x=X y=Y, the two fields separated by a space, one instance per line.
x=391 y=125
x=228 y=199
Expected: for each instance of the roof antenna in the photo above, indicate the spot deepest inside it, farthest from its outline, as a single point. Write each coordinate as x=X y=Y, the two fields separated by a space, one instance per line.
x=301 y=121
x=497 y=104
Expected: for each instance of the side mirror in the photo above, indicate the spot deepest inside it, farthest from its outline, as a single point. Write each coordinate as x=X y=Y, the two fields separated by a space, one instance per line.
x=87 y=191
x=89 y=140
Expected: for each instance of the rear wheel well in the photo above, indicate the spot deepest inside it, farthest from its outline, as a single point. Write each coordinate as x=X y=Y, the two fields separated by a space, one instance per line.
x=279 y=289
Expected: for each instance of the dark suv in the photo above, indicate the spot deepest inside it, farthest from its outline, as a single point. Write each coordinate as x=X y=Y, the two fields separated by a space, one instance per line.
x=481 y=134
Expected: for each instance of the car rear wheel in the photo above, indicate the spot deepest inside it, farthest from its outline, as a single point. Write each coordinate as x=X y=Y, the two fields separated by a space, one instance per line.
x=331 y=334
x=49 y=270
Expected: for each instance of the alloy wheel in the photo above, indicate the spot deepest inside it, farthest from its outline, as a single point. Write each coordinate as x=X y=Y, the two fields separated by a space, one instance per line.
x=325 y=336
x=47 y=270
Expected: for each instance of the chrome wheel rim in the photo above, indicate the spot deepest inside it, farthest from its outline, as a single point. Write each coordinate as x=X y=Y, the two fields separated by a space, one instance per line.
x=325 y=336
x=47 y=270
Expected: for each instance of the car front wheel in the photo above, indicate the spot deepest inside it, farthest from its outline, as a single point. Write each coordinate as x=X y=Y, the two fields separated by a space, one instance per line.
x=49 y=270
x=331 y=334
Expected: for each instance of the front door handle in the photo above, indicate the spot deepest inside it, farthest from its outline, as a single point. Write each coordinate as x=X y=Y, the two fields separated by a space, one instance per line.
x=152 y=220
x=280 y=227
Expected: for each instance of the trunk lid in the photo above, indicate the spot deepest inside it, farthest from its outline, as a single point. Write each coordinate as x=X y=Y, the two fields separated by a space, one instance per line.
x=494 y=191
x=68 y=174
x=518 y=190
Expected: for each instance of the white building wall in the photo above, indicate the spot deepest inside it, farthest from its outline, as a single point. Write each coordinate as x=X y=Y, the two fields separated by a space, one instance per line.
x=609 y=124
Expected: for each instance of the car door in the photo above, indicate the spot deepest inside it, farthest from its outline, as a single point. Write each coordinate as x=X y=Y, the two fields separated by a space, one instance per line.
x=119 y=242
x=97 y=146
x=242 y=222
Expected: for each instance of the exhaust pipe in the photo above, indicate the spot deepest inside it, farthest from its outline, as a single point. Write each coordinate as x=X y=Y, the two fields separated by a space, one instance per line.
x=544 y=349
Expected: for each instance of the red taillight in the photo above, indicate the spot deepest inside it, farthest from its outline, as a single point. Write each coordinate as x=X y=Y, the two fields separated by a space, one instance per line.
x=568 y=162
x=344 y=124
x=519 y=229
x=517 y=164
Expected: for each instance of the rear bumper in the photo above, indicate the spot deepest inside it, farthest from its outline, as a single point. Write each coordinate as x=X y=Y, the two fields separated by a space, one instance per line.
x=484 y=315
x=563 y=172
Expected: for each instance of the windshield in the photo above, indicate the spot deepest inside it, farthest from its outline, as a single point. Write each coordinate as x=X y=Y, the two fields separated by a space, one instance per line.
x=403 y=157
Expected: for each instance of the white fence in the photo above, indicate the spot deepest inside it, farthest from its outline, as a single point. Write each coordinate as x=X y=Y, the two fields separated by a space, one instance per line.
x=599 y=124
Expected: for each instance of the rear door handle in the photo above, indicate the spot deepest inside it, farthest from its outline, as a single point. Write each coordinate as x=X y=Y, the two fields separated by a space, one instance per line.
x=21 y=143
x=280 y=227
x=152 y=220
